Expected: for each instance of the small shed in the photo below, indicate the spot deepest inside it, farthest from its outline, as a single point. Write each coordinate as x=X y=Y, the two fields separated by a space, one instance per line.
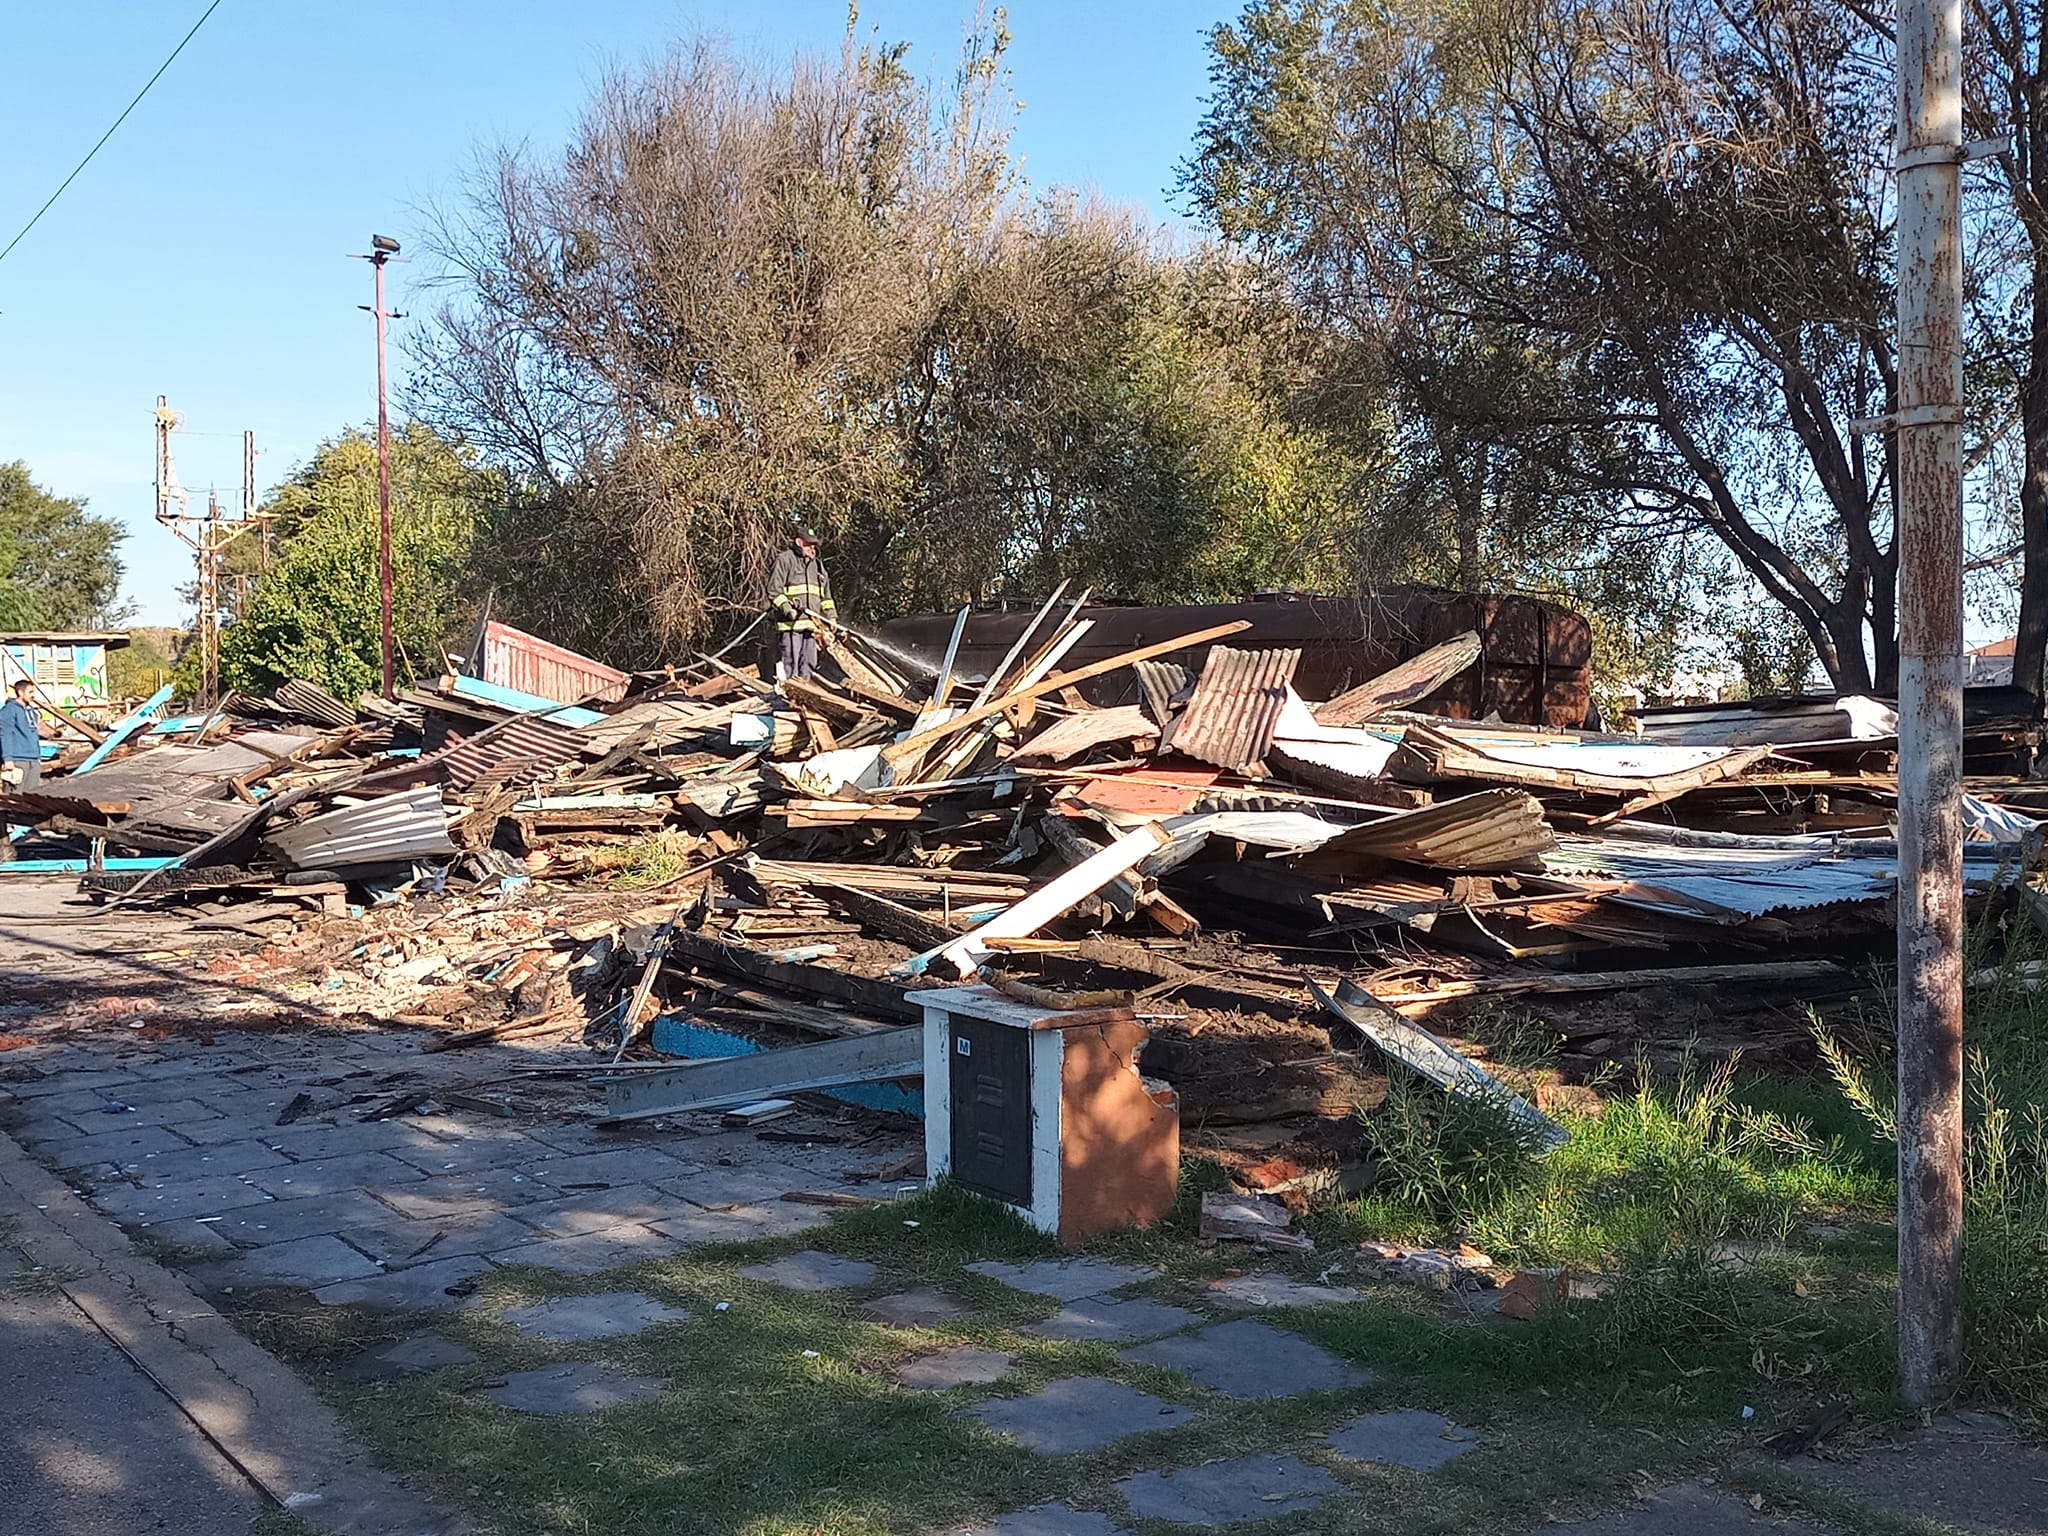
x=69 y=669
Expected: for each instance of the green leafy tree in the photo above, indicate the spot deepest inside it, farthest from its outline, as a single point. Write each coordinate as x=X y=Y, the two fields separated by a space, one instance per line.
x=1625 y=269
x=314 y=613
x=144 y=664
x=60 y=566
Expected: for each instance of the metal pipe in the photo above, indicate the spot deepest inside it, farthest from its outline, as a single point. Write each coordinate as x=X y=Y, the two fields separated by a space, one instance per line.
x=1928 y=420
x=377 y=260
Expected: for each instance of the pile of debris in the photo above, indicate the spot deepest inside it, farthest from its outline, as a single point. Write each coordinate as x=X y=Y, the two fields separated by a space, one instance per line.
x=708 y=861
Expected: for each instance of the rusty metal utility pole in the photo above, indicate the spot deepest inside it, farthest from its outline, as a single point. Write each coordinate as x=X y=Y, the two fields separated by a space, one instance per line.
x=1928 y=420
x=208 y=537
x=382 y=249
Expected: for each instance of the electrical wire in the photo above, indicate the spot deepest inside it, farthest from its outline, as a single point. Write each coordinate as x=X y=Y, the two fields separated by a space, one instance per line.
x=167 y=63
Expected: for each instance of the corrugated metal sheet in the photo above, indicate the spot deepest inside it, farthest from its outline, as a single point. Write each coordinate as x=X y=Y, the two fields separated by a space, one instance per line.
x=1493 y=830
x=671 y=719
x=490 y=755
x=1161 y=686
x=309 y=701
x=1237 y=701
x=1732 y=883
x=412 y=824
x=514 y=659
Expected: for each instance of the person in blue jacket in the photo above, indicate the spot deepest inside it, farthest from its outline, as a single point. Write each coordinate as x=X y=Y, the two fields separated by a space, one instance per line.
x=21 y=749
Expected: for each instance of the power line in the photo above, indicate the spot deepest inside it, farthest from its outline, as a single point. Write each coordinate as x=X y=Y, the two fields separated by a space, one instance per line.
x=167 y=63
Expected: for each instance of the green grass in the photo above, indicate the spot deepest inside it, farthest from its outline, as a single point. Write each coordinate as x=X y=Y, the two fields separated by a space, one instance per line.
x=1742 y=1223
x=759 y=1438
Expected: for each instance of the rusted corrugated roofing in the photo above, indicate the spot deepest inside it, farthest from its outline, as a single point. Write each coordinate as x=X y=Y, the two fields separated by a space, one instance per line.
x=1495 y=829
x=505 y=750
x=1230 y=717
x=514 y=659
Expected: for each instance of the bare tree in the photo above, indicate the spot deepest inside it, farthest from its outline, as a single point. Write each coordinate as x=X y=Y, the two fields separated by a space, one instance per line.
x=746 y=297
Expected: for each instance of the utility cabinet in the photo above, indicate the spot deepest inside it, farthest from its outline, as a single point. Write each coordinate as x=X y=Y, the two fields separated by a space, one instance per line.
x=1047 y=1112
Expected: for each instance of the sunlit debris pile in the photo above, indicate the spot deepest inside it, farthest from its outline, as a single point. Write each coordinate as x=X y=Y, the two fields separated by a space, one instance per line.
x=719 y=852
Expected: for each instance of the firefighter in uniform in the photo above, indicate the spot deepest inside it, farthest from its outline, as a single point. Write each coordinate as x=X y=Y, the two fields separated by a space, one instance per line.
x=801 y=594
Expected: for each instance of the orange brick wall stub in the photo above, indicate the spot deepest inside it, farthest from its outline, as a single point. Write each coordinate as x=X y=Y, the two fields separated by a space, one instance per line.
x=1119 y=1142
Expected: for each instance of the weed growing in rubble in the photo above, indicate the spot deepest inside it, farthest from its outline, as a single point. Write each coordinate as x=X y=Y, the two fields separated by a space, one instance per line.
x=2005 y=1246
x=1671 y=1171
x=643 y=861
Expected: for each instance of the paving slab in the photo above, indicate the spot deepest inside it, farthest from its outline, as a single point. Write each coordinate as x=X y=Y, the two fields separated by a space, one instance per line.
x=755 y=1184
x=470 y=1154
x=613 y=1165
x=1685 y=1509
x=280 y=1221
x=1044 y=1520
x=1258 y=1290
x=594 y=1210
x=440 y=1194
x=1251 y=1359
x=810 y=1270
x=1078 y=1413
x=944 y=1369
x=589 y=1252
x=150 y=1202
x=924 y=1307
x=333 y=1175
x=1108 y=1320
x=398 y=1240
x=1403 y=1437
x=419 y=1289
x=413 y=1356
x=61 y=1147
x=90 y=1114
x=1067 y=1279
x=692 y=1226
x=310 y=1262
x=1229 y=1492
x=577 y=1387
x=566 y=1319
x=314 y=1140
x=200 y=1240
x=1968 y=1471
x=236 y=1157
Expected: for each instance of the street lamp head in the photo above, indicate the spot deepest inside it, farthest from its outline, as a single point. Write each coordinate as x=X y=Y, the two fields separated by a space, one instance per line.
x=385 y=244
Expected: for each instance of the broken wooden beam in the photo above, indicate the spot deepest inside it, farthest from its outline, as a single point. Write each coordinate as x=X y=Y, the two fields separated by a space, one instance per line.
x=913 y=747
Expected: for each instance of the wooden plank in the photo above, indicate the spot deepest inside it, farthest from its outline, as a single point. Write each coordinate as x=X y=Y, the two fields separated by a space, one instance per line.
x=721 y=1080
x=814 y=698
x=878 y=997
x=1621 y=981
x=915 y=746
x=1056 y=898
x=1413 y=679
x=994 y=679
x=143 y=715
x=880 y=915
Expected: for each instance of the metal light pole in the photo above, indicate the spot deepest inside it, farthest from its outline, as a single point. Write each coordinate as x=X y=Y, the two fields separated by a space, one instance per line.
x=382 y=249
x=1928 y=421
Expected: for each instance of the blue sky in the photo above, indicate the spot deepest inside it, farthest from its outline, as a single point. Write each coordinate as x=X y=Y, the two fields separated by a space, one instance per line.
x=202 y=255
